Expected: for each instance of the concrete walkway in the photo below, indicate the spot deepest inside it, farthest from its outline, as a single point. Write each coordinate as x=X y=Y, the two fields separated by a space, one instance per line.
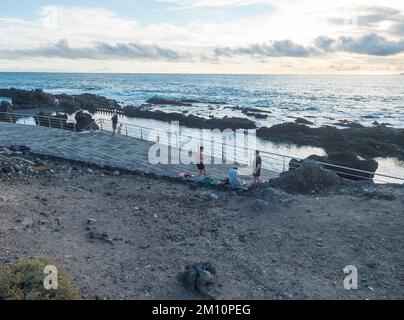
x=101 y=148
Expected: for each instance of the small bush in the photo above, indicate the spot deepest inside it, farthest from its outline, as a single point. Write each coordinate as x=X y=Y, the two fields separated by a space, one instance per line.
x=24 y=279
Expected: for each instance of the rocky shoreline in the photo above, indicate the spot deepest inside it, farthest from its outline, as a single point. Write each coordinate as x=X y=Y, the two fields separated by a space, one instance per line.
x=367 y=142
x=352 y=146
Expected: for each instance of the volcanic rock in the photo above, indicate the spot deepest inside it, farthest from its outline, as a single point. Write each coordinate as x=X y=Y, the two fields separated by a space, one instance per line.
x=367 y=142
x=343 y=159
x=84 y=121
x=303 y=121
x=308 y=178
x=29 y=98
x=190 y=120
x=176 y=102
x=199 y=277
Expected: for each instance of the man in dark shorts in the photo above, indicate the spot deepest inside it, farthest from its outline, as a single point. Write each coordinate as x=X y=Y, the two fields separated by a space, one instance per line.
x=114 y=120
x=200 y=164
x=258 y=165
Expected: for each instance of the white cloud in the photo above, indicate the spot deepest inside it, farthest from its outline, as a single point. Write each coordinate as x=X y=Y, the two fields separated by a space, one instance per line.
x=97 y=33
x=215 y=3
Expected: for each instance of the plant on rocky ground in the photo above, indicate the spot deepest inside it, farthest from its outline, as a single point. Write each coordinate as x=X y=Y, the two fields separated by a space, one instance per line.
x=24 y=280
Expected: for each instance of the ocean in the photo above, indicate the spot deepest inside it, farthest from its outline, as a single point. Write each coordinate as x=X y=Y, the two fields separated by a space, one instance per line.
x=322 y=99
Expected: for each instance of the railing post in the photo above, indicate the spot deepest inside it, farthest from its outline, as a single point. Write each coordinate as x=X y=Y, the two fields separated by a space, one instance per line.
x=11 y=120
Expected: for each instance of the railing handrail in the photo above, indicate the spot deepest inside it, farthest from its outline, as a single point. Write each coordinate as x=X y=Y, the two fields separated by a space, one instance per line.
x=101 y=121
x=53 y=122
x=275 y=154
x=26 y=115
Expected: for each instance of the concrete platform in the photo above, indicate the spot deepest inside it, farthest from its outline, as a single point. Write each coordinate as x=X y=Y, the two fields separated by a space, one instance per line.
x=102 y=148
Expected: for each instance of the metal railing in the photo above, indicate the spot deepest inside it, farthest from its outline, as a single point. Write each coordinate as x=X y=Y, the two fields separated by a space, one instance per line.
x=275 y=162
x=272 y=161
x=39 y=120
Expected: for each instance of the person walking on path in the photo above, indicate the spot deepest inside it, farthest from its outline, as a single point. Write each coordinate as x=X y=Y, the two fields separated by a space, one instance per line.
x=114 y=120
x=257 y=169
x=200 y=164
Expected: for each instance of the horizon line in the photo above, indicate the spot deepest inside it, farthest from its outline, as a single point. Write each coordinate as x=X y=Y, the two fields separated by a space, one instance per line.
x=213 y=74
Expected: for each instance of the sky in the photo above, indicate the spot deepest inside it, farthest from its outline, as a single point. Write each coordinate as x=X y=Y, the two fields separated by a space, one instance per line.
x=203 y=36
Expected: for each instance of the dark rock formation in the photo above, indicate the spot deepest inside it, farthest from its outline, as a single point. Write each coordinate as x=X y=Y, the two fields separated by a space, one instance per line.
x=367 y=142
x=199 y=277
x=175 y=102
x=256 y=115
x=303 y=121
x=190 y=120
x=86 y=101
x=344 y=159
x=22 y=99
x=247 y=110
x=85 y=121
x=29 y=98
x=308 y=178
x=349 y=124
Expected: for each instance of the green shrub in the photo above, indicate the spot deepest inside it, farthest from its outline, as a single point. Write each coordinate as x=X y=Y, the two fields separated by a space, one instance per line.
x=24 y=279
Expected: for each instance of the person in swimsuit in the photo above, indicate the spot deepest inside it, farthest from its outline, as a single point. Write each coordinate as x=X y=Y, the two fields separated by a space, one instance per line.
x=258 y=165
x=200 y=164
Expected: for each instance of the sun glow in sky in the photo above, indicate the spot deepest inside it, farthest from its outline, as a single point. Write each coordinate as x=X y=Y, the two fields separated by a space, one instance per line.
x=203 y=36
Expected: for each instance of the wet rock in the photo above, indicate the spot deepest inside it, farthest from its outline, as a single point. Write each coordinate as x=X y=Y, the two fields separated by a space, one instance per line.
x=303 y=121
x=29 y=98
x=84 y=121
x=86 y=101
x=246 y=110
x=349 y=124
x=344 y=159
x=308 y=178
x=22 y=99
x=256 y=115
x=175 y=102
x=368 y=142
x=190 y=120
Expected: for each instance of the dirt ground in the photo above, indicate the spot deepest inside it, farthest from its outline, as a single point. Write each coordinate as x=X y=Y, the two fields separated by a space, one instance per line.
x=296 y=251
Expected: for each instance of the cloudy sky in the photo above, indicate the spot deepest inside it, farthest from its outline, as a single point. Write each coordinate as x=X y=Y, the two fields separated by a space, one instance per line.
x=203 y=36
